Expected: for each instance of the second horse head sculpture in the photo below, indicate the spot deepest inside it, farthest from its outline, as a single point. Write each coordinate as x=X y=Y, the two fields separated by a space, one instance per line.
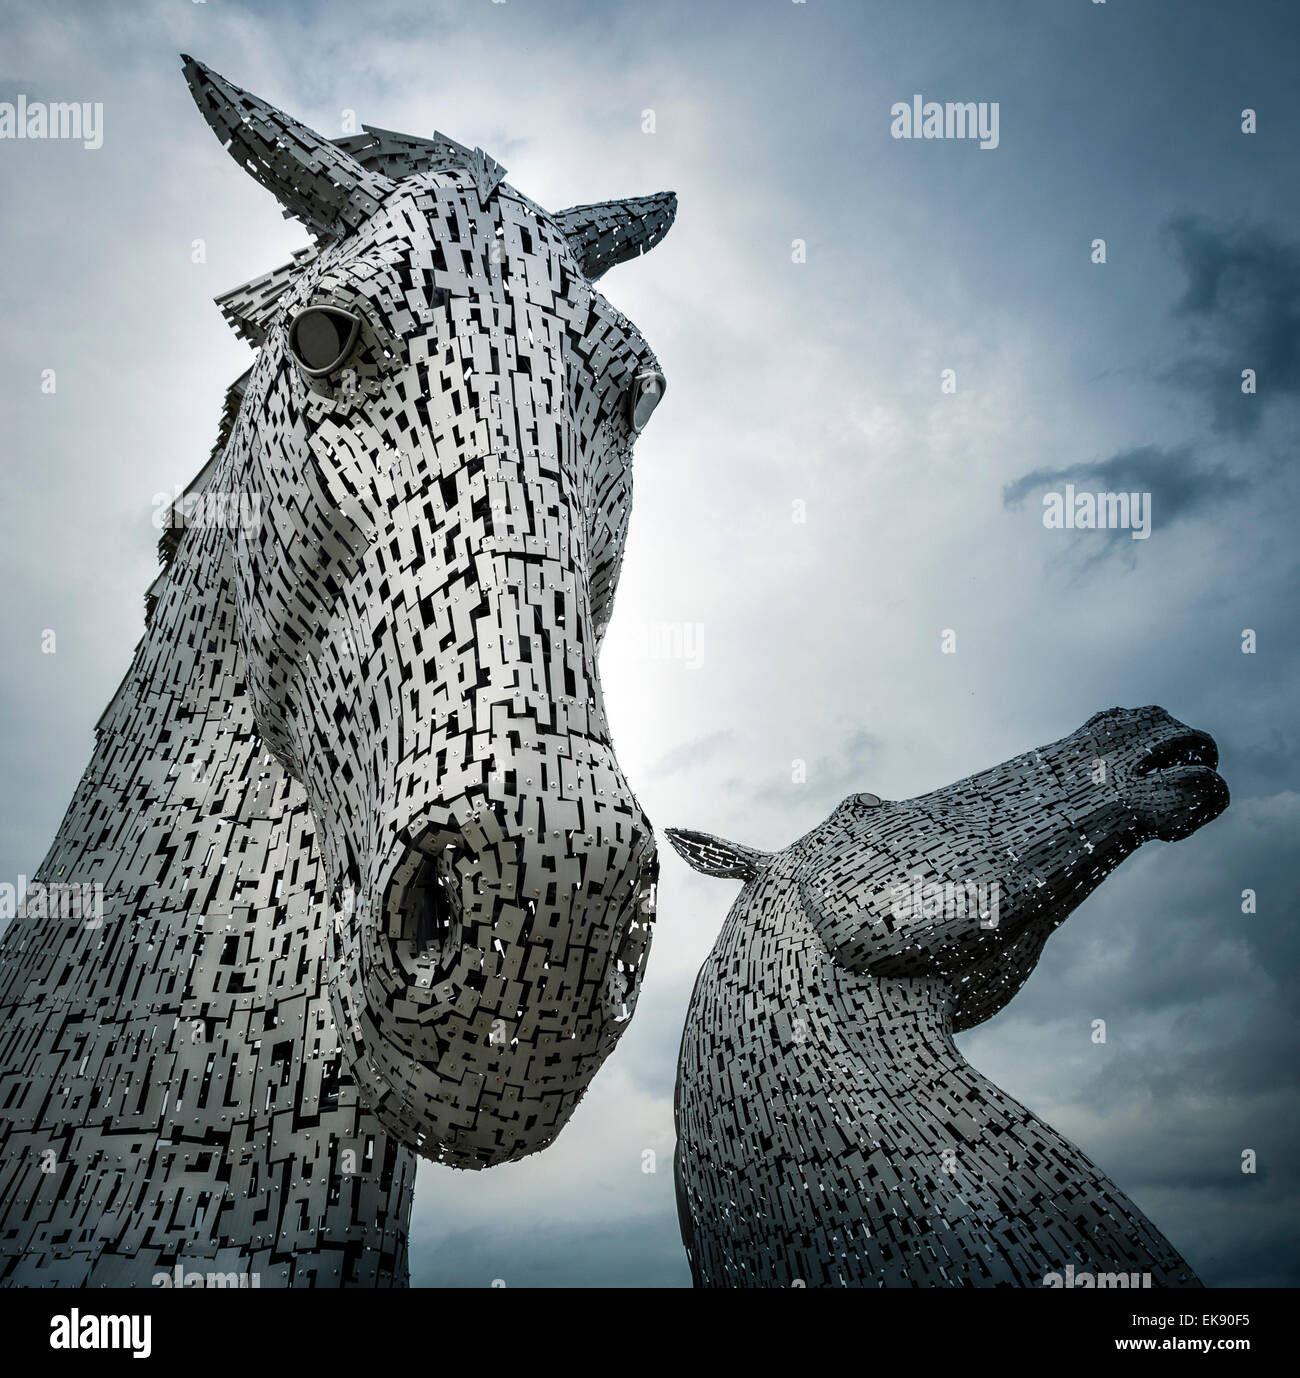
x=829 y=1131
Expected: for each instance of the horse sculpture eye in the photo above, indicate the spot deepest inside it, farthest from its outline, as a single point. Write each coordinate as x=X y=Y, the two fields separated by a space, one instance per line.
x=322 y=337
x=647 y=388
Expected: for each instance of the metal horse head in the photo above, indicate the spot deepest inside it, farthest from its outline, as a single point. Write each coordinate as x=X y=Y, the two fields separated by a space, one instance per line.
x=437 y=434
x=828 y=1128
x=968 y=882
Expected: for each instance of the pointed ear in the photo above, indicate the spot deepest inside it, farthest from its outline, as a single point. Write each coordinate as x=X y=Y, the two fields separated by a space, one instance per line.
x=717 y=857
x=313 y=179
x=614 y=231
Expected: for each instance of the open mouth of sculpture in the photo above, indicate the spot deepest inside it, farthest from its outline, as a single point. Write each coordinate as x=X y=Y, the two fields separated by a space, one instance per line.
x=1190 y=749
x=1176 y=786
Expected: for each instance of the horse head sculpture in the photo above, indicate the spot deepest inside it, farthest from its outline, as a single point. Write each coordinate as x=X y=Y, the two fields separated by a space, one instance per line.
x=828 y=1128
x=438 y=435
x=352 y=873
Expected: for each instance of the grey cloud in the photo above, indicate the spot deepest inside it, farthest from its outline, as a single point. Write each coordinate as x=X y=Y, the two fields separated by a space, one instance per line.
x=1180 y=484
x=1268 y=765
x=830 y=778
x=691 y=754
x=1242 y=299
x=1243 y=296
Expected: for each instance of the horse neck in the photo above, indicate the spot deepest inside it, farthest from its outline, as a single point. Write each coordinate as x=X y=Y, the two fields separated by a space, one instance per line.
x=175 y=738
x=171 y=1064
x=795 y=1071
x=881 y=1027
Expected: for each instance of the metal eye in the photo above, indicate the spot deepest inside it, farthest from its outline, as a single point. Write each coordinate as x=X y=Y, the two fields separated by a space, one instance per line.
x=643 y=397
x=322 y=337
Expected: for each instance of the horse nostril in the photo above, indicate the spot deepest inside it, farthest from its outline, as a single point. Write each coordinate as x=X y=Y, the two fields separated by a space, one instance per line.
x=430 y=908
x=629 y=948
x=436 y=917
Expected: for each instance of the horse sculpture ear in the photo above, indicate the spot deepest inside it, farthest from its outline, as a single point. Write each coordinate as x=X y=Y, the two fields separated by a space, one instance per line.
x=613 y=231
x=313 y=179
x=717 y=857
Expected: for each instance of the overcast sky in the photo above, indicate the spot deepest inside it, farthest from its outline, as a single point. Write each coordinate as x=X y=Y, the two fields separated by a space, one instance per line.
x=814 y=383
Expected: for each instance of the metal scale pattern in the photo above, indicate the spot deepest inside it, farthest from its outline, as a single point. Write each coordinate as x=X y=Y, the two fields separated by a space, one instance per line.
x=829 y=1131
x=373 y=882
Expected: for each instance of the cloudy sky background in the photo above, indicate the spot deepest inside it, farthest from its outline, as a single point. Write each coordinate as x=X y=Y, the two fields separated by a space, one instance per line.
x=814 y=382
